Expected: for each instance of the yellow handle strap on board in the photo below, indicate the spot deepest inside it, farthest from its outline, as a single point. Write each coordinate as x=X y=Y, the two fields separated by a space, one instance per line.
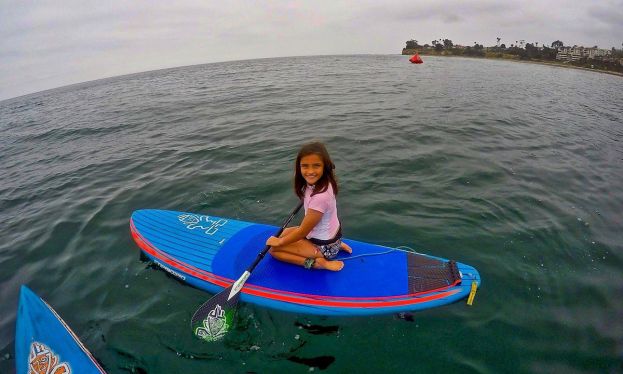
x=472 y=293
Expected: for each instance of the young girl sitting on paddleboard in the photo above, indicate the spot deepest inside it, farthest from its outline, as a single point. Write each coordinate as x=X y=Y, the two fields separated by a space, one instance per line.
x=318 y=240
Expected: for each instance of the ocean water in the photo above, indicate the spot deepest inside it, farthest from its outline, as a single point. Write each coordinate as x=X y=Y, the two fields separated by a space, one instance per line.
x=516 y=169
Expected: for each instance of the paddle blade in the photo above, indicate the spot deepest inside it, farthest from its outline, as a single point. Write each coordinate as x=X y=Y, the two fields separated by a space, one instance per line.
x=215 y=317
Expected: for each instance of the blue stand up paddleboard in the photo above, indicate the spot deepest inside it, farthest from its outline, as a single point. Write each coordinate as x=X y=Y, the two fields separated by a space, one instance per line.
x=45 y=344
x=211 y=253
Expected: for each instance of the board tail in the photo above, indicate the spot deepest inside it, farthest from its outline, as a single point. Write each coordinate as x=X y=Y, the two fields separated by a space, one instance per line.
x=427 y=274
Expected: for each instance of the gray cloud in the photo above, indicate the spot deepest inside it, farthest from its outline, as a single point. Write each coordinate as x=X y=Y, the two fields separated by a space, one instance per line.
x=611 y=14
x=451 y=10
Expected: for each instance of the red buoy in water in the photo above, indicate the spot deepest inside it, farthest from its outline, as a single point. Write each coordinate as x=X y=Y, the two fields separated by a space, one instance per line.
x=415 y=59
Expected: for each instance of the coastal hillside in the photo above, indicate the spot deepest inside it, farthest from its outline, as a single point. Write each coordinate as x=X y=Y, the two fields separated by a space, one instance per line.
x=605 y=60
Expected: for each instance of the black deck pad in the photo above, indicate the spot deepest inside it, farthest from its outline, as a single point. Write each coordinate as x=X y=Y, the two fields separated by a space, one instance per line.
x=427 y=274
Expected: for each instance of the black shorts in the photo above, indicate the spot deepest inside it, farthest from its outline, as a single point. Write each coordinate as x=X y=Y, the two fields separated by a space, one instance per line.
x=330 y=251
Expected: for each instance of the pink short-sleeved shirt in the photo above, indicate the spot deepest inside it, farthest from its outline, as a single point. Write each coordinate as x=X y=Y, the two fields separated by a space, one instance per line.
x=325 y=203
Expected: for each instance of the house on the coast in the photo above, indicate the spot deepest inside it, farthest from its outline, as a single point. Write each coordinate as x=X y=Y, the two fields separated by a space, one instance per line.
x=576 y=53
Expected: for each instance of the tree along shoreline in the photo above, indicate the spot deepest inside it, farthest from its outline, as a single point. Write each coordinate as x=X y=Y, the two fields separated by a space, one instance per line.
x=579 y=65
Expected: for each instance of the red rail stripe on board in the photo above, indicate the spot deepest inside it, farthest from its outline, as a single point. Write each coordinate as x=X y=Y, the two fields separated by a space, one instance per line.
x=225 y=282
x=304 y=299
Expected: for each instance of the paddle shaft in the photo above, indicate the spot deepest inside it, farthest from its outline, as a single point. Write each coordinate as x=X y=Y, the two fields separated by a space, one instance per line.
x=235 y=288
x=261 y=255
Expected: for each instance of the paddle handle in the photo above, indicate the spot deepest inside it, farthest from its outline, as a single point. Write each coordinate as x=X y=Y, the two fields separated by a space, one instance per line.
x=261 y=255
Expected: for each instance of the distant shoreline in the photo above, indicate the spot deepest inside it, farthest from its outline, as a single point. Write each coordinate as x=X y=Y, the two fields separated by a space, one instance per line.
x=562 y=65
x=538 y=62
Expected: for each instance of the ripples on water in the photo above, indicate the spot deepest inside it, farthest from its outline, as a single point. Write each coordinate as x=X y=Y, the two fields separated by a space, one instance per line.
x=513 y=168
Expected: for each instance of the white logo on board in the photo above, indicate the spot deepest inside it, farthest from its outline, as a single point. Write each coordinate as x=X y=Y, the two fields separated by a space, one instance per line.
x=206 y=223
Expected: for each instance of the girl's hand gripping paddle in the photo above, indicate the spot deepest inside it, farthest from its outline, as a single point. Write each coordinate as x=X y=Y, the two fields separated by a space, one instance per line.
x=215 y=317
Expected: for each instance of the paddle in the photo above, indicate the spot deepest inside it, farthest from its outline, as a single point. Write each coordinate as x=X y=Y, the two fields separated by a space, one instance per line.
x=215 y=317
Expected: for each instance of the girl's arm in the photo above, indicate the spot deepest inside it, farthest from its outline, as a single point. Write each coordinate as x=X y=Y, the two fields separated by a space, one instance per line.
x=311 y=219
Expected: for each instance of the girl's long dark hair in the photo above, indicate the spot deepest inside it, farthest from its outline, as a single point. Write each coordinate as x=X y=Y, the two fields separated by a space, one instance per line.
x=328 y=176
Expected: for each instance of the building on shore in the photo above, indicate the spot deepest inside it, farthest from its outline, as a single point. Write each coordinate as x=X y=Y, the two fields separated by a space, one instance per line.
x=576 y=53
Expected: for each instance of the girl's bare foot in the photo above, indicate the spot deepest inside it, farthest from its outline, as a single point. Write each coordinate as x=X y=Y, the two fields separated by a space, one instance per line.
x=322 y=263
x=346 y=248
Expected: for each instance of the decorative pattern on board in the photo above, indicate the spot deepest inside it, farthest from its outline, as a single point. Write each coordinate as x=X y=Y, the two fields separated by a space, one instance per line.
x=215 y=325
x=43 y=361
x=196 y=221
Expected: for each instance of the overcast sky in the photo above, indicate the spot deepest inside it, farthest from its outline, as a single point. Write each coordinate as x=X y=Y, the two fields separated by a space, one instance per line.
x=46 y=44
